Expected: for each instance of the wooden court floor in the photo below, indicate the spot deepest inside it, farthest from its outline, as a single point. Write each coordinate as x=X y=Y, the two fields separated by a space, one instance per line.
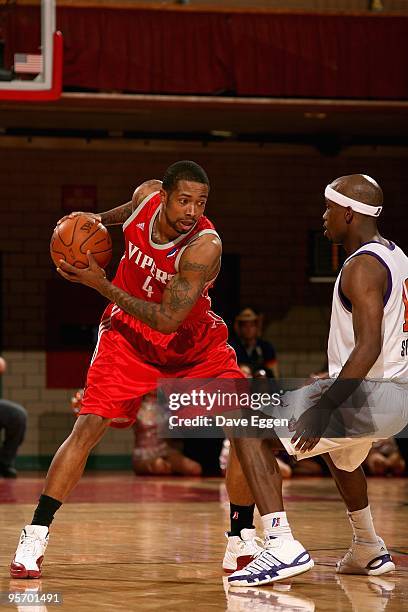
x=124 y=543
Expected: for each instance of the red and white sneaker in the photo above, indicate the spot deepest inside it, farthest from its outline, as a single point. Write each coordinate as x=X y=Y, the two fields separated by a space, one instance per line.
x=241 y=550
x=30 y=552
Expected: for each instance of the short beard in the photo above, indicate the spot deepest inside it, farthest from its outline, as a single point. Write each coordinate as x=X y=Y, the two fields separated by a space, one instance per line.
x=172 y=224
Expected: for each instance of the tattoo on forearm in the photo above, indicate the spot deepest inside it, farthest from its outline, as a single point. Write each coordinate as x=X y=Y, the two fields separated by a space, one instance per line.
x=117 y=215
x=148 y=312
x=179 y=297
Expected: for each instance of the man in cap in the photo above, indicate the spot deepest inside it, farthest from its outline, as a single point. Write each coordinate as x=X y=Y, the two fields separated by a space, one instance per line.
x=250 y=348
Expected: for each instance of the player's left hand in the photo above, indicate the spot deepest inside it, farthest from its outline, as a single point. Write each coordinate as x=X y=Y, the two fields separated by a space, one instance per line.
x=93 y=276
x=310 y=427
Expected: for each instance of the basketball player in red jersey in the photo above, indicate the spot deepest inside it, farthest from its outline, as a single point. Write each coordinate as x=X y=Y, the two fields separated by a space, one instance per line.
x=158 y=318
x=158 y=324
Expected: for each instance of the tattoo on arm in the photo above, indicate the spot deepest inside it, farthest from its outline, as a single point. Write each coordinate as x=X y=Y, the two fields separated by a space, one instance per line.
x=180 y=295
x=117 y=215
x=190 y=266
x=179 y=292
x=120 y=214
x=157 y=316
x=148 y=312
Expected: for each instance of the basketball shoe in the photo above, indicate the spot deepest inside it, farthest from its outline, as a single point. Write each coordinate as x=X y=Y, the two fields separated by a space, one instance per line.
x=30 y=552
x=367 y=559
x=241 y=550
x=280 y=559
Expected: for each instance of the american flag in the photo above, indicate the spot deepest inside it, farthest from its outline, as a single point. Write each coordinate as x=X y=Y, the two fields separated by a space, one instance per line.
x=28 y=63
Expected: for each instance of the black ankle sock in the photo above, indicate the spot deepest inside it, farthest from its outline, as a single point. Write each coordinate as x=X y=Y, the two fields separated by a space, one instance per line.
x=241 y=518
x=44 y=513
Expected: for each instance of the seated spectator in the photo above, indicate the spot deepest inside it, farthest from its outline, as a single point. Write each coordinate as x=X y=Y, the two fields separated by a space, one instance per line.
x=151 y=454
x=13 y=420
x=154 y=455
x=402 y=442
x=249 y=346
x=384 y=458
x=245 y=369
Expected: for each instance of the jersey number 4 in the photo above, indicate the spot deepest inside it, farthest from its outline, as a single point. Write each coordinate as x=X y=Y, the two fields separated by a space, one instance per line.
x=405 y=300
x=149 y=289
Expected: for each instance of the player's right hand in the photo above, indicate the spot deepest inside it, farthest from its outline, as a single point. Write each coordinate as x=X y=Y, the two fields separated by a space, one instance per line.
x=77 y=213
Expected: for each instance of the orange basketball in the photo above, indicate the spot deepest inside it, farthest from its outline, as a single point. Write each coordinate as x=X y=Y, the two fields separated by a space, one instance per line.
x=75 y=236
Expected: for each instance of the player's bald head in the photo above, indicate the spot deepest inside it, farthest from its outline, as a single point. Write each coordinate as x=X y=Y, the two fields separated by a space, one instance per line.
x=359 y=187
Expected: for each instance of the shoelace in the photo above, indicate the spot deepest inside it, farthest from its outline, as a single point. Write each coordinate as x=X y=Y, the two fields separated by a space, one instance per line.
x=28 y=545
x=253 y=543
x=264 y=561
x=347 y=557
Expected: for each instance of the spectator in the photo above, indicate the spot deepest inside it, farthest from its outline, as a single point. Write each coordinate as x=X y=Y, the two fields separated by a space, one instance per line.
x=154 y=455
x=384 y=458
x=151 y=454
x=13 y=419
x=402 y=442
x=245 y=369
x=249 y=347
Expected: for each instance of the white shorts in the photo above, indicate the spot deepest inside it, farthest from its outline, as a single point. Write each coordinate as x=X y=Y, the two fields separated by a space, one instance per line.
x=376 y=411
x=346 y=453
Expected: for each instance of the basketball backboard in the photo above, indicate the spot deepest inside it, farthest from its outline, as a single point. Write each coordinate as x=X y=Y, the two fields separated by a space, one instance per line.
x=32 y=69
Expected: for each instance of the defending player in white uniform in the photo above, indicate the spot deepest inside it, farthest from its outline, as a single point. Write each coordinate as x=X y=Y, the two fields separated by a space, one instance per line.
x=384 y=392
x=368 y=360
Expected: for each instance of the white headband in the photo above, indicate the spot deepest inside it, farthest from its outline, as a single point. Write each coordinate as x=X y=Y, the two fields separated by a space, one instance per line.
x=342 y=200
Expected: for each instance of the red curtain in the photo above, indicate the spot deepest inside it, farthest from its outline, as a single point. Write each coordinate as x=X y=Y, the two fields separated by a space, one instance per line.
x=270 y=54
x=320 y=55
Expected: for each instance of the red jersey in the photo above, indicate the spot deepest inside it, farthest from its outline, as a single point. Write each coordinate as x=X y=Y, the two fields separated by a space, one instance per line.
x=130 y=357
x=144 y=271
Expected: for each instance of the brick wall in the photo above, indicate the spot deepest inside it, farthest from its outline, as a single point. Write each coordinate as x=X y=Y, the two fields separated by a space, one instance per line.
x=263 y=202
x=50 y=419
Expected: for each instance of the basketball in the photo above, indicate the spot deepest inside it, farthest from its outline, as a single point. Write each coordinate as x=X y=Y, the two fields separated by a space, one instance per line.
x=75 y=236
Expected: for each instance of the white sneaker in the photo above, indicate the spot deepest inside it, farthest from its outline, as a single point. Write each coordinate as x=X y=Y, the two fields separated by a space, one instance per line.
x=280 y=559
x=30 y=552
x=241 y=550
x=366 y=559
